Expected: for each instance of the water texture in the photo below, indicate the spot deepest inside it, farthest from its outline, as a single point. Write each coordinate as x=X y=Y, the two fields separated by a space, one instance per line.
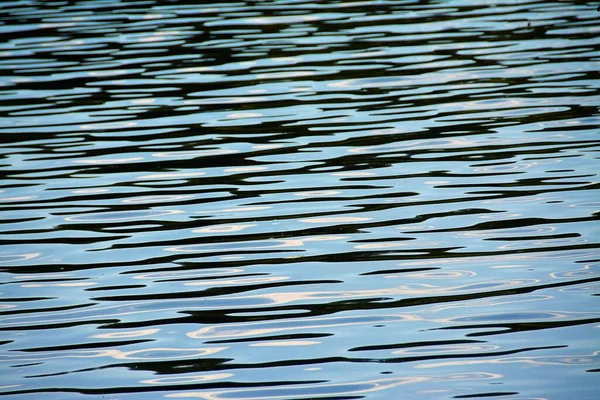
x=299 y=199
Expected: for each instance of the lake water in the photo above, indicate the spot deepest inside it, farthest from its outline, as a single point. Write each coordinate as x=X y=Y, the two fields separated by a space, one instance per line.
x=299 y=200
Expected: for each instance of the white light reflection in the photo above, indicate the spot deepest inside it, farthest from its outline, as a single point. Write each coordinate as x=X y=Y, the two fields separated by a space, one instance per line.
x=184 y=380
x=329 y=389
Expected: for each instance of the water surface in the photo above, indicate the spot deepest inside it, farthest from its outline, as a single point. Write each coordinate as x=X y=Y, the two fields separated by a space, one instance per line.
x=299 y=199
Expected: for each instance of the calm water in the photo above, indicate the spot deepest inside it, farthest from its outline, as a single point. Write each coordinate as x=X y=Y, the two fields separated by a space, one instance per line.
x=299 y=199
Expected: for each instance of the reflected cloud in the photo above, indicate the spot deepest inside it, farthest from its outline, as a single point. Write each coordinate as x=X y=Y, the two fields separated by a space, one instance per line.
x=427 y=289
x=267 y=146
x=162 y=354
x=187 y=379
x=351 y=174
x=243 y=115
x=252 y=245
x=590 y=204
x=10 y=386
x=592 y=288
x=193 y=153
x=108 y=125
x=15 y=258
x=551 y=242
x=43 y=276
x=223 y=228
x=357 y=388
x=528 y=361
x=120 y=311
x=439 y=274
x=126 y=334
x=280 y=298
x=121 y=216
x=491 y=302
x=264 y=328
x=513 y=232
x=245 y=169
x=380 y=245
x=301 y=391
x=57 y=284
x=157 y=199
x=91 y=191
x=286 y=343
x=18 y=199
x=527 y=316
x=460 y=349
x=318 y=193
x=583 y=272
x=151 y=354
x=110 y=161
x=502 y=258
x=231 y=100
x=174 y=175
x=422 y=145
x=239 y=281
x=334 y=219
x=240 y=209
x=185 y=274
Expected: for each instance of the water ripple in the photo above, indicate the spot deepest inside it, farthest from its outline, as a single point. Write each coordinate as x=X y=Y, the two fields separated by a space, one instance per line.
x=294 y=199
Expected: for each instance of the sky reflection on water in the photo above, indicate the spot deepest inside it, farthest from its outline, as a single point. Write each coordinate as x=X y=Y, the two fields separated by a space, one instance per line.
x=299 y=200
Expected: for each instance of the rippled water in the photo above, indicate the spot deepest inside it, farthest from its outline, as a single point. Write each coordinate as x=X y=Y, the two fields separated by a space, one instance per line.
x=299 y=199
